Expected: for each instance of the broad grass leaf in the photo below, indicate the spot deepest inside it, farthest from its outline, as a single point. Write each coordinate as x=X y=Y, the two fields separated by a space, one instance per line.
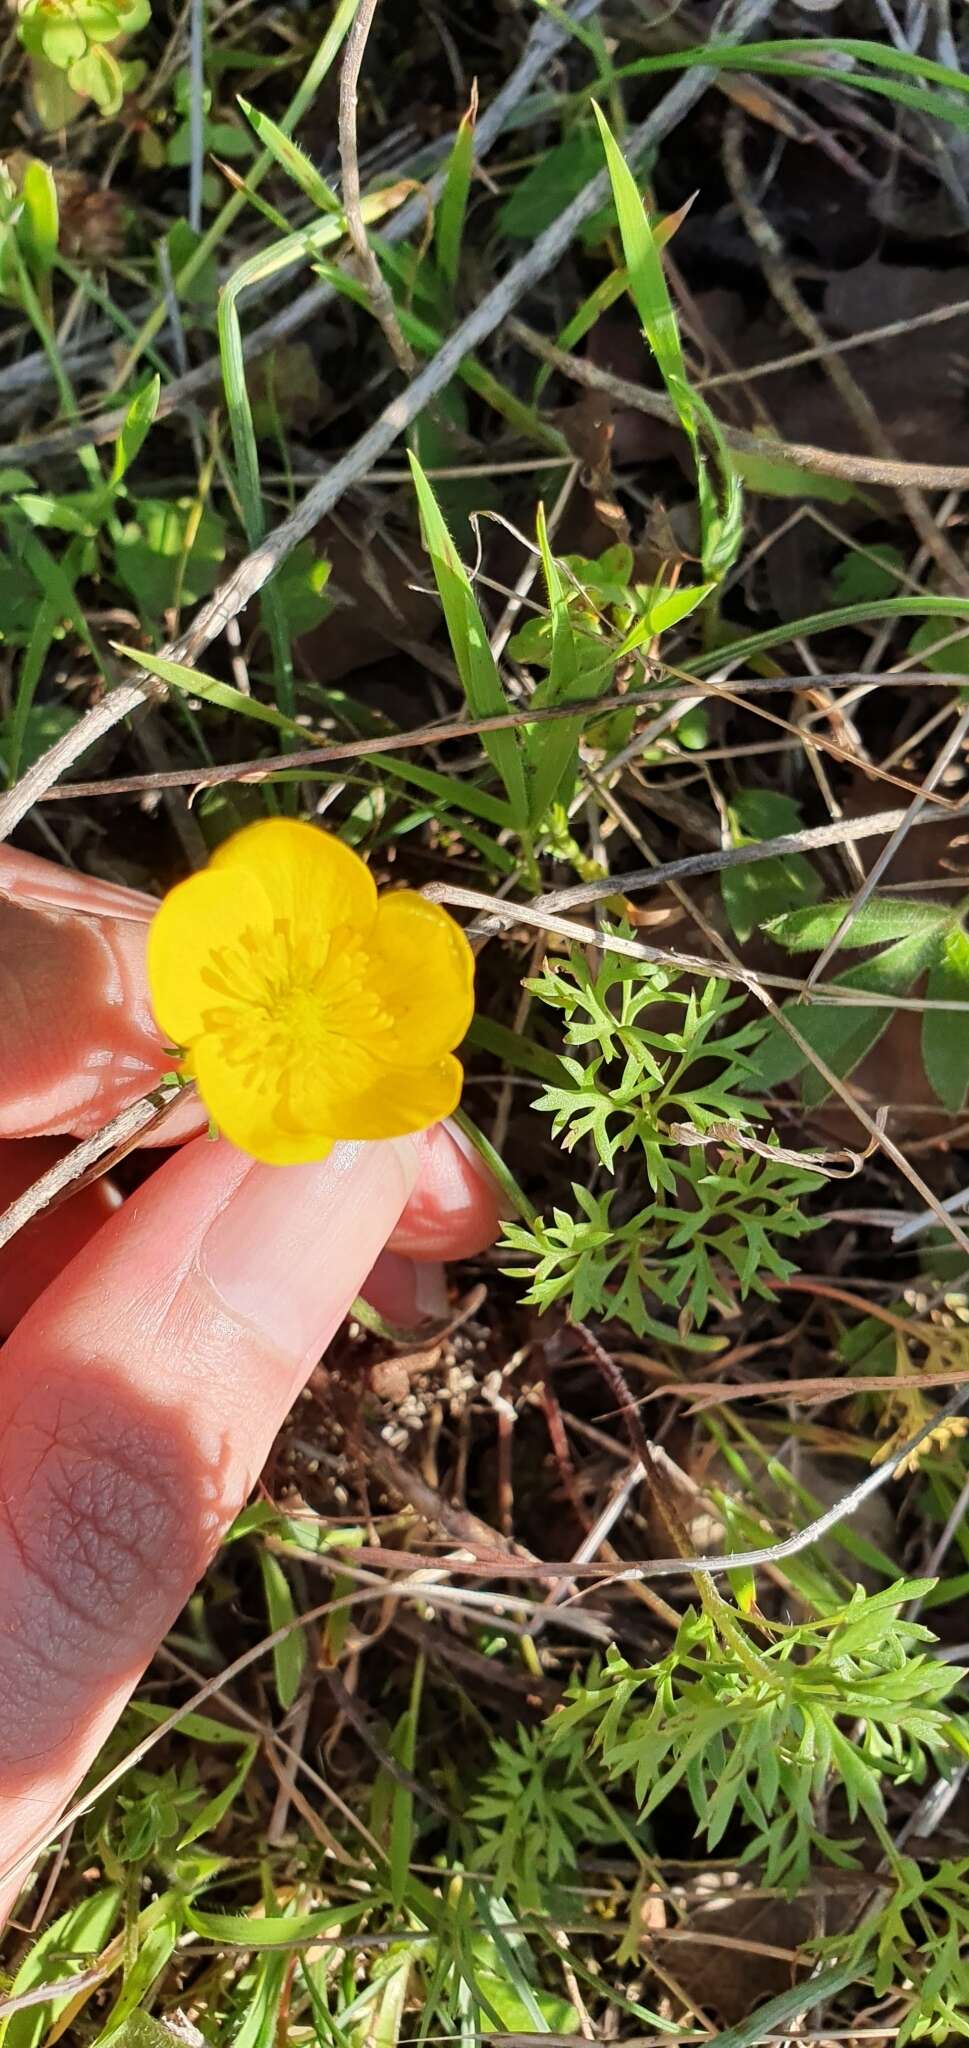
x=879 y=920
x=843 y=1033
x=539 y=197
x=945 y=1035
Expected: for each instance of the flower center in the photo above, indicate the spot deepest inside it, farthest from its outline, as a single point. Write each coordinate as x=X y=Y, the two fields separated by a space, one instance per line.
x=289 y=995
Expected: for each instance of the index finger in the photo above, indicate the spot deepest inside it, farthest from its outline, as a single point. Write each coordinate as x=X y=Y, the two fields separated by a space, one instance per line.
x=138 y=1400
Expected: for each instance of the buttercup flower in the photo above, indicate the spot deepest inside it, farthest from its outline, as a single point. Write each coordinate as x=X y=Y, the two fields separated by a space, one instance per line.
x=310 y=1010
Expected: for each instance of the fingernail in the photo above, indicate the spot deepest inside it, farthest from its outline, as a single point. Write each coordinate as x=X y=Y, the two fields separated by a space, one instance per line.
x=289 y=1252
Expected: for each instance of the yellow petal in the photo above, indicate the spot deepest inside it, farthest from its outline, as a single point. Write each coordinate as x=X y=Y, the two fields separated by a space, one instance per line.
x=199 y=921
x=298 y=1111
x=244 y=1104
x=394 y=1100
x=423 y=975
x=311 y=879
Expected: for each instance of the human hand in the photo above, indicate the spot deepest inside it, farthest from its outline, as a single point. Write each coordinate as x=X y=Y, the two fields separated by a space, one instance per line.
x=155 y=1347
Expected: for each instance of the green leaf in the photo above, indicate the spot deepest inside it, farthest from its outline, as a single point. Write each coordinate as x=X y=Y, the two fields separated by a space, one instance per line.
x=866 y=575
x=671 y=607
x=951 y=660
x=98 y=76
x=270 y=1930
x=158 y=1930
x=196 y=683
x=62 y=42
x=184 y=246
x=292 y=160
x=403 y=1748
x=169 y=550
x=880 y=919
x=538 y=198
x=552 y=751
x=39 y=223
x=289 y=1656
x=646 y=279
x=137 y=423
x=721 y=525
x=54 y=104
x=453 y=204
x=842 y=1034
x=946 y=613
x=79 y=1933
x=475 y=662
x=456 y=794
x=945 y=1039
x=516 y=1050
x=755 y=894
x=139 y=2030
x=301 y=588
x=260 y=2027
x=221 y=1802
x=773 y=476
x=788 y=2005
x=42 y=725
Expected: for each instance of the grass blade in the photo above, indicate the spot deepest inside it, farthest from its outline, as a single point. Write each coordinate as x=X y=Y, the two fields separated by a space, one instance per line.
x=476 y=664
x=453 y=203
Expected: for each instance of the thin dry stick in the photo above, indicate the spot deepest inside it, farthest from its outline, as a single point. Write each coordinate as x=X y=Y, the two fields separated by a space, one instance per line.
x=499 y=914
x=703 y=1394
x=844 y=831
x=122 y=1132
x=866 y=339
x=863 y=469
x=255 y=570
x=439 y=730
x=381 y=296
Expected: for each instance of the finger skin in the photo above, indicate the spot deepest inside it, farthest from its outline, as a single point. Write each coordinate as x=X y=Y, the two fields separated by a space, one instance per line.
x=452 y=1214
x=78 y=1037
x=138 y=1400
x=407 y=1293
x=455 y=1209
x=38 y=1253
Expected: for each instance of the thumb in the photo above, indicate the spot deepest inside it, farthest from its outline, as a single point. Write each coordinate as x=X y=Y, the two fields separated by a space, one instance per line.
x=138 y=1400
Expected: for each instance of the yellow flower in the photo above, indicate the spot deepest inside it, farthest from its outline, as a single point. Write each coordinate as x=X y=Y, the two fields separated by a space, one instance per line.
x=310 y=1010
